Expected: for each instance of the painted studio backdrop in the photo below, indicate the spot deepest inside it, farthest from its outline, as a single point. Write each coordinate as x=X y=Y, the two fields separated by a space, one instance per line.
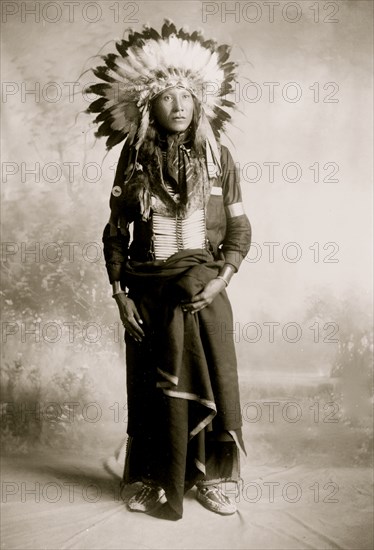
x=301 y=138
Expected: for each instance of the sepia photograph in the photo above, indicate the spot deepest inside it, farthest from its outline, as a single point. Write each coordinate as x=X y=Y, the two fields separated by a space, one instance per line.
x=187 y=275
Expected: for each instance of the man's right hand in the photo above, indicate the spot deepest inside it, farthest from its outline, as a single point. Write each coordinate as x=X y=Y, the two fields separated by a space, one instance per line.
x=129 y=316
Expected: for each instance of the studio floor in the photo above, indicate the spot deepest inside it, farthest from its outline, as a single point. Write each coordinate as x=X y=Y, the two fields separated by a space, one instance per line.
x=60 y=500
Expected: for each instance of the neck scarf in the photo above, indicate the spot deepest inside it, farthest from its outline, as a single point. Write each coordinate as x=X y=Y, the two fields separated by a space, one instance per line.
x=174 y=179
x=180 y=169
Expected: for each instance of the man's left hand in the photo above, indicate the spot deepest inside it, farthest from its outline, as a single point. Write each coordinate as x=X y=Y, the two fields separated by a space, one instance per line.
x=205 y=297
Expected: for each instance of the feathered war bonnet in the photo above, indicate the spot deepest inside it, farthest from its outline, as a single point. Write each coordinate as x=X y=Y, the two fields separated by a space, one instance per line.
x=148 y=63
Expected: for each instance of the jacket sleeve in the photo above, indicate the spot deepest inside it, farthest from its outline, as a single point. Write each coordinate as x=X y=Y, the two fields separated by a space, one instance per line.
x=115 y=238
x=115 y=253
x=237 y=241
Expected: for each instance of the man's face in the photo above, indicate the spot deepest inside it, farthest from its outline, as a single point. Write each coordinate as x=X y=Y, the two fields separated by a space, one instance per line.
x=173 y=109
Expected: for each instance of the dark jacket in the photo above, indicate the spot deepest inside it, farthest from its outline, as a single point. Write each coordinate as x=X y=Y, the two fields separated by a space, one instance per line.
x=228 y=230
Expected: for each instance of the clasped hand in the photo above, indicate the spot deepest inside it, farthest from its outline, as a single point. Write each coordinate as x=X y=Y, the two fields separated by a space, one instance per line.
x=132 y=321
x=205 y=297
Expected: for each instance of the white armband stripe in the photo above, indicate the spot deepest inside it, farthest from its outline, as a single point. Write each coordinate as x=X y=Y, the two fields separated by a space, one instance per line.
x=235 y=209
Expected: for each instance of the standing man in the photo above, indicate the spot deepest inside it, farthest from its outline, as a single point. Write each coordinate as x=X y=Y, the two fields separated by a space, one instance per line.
x=165 y=94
